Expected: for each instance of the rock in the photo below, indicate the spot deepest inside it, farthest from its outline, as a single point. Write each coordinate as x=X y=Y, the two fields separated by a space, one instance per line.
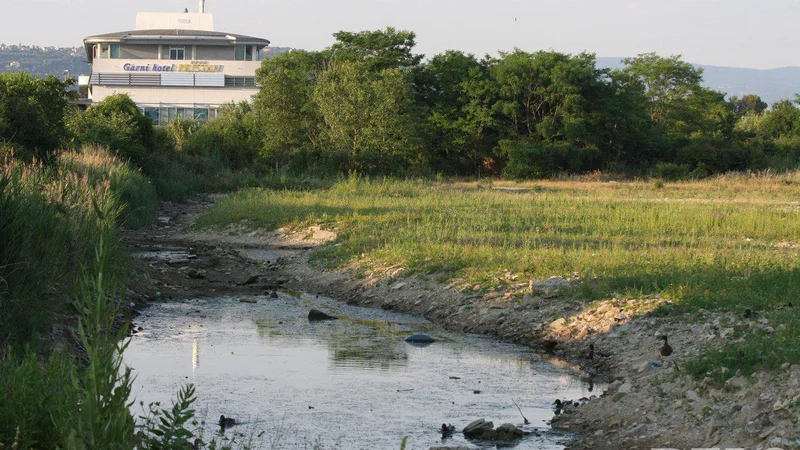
x=397 y=286
x=316 y=316
x=420 y=339
x=780 y=443
x=618 y=396
x=273 y=294
x=248 y=300
x=612 y=388
x=251 y=280
x=507 y=432
x=625 y=388
x=477 y=428
x=460 y=447
x=549 y=286
x=637 y=430
x=692 y=395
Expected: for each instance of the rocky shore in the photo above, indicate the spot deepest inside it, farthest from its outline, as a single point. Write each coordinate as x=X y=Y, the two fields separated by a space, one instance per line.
x=649 y=402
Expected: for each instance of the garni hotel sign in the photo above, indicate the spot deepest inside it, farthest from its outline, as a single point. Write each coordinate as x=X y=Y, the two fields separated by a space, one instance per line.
x=191 y=67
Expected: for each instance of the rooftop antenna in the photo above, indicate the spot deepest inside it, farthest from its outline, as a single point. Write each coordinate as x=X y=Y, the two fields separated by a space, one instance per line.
x=202 y=6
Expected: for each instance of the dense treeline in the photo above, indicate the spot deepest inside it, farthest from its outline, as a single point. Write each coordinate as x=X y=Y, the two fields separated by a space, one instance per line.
x=369 y=104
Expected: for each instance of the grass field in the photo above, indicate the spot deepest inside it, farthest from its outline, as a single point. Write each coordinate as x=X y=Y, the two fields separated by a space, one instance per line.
x=726 y=243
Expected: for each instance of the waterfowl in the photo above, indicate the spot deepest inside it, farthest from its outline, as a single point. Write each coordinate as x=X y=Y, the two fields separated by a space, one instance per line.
x=447 y=430
x=226 y=421
x=593 y=353
x=558 y=404
x=666 y=349
x=750 y=314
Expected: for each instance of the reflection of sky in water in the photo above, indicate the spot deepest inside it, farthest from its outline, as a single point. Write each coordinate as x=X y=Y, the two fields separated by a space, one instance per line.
x=267 y=364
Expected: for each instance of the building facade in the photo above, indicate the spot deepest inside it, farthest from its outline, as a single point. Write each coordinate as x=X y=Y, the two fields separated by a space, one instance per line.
x=175 y=65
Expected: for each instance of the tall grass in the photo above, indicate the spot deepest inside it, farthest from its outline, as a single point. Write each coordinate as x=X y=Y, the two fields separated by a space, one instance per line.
x=48 y=231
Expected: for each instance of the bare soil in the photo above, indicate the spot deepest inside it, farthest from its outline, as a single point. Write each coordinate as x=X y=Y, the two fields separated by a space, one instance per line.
x=650 y=402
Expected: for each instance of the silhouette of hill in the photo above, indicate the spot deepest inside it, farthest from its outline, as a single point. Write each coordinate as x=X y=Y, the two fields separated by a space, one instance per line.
x=771 y=85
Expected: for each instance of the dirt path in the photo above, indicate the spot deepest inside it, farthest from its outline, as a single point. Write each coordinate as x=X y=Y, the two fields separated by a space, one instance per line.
x=649 y=403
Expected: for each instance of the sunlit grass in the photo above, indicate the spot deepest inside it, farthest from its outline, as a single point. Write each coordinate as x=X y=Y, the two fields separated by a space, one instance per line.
x=727 y=243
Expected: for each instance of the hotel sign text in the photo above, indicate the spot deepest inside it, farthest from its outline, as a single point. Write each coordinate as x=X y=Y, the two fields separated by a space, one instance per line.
x=192 y=67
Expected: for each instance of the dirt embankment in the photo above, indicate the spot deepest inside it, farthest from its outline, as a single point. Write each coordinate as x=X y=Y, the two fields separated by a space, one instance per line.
x=650 y=401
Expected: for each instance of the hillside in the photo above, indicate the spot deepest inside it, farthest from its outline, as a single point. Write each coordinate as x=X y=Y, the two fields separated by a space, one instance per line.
x=43 y=61
x=771 y=84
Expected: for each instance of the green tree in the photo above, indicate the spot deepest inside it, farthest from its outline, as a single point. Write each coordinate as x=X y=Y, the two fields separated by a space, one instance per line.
x=33 y=112
x=366 y=116
x=116 y=123
x=782 y=120
x=748 y=104
x=285 y=107
x=461 y=122
x=233 y=136
x=666 y=81
x=377 y=50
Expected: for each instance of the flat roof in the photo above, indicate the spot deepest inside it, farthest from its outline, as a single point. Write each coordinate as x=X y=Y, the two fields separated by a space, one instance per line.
x=173 y=36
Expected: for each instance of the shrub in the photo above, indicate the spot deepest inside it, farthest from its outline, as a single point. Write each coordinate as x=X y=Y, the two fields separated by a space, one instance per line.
x=541 y=159
x=116 y=123
x=32 y=113
x=671 y=171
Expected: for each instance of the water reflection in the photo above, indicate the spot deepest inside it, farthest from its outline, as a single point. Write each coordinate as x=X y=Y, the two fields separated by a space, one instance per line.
x=265 y=363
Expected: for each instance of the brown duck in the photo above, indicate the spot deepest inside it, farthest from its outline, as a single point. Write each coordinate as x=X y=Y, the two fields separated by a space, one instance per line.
x=666 y=349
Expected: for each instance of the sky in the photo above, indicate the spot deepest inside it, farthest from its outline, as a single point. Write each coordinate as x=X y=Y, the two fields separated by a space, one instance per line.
x=738 y=33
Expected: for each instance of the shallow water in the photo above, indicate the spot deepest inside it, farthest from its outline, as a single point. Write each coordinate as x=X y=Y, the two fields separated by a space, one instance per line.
x=353 y=383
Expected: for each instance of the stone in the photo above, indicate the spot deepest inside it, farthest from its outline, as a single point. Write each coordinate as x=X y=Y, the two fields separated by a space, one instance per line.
x=476 y=428
x=507 y=432
x=618 y=396
x=397 y=286
x=460 y=447
x=625 y=388
x=248 y=300
x=692 y=395
x=420 y=339
x=637 y=430
x=316 y=316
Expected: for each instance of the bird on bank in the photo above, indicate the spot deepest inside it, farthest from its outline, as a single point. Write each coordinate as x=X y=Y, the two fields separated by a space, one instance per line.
x=593 y=353
x=226 y=421
x=666 y=349
x=448 y=430
x=748 y=314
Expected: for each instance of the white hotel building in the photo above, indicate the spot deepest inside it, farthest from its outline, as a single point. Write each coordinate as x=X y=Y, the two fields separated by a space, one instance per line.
x=175 y=65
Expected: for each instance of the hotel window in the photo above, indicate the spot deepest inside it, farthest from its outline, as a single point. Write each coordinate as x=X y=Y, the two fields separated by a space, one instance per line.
x=177 y=52
x=244 y=53
x=114 y=51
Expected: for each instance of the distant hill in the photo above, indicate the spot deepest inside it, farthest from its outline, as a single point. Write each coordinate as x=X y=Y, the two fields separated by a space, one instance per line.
x=43 y=61
x=771 y=84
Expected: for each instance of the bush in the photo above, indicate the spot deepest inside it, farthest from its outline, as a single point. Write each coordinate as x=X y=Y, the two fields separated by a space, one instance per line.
x=233 y=136
x=32 y=113
x=541 y=159
x=671 y=171
x=117 y=124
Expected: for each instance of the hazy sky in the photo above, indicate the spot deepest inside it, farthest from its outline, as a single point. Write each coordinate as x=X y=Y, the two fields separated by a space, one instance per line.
x=744 y=33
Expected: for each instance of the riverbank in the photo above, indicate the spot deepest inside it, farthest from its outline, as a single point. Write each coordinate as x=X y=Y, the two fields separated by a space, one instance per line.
x=651 y=402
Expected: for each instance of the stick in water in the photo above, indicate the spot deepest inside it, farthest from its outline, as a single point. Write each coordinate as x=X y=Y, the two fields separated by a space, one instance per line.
x=520 y=412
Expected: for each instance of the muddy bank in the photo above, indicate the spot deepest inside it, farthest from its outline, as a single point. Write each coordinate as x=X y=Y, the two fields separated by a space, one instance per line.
x=650 y=401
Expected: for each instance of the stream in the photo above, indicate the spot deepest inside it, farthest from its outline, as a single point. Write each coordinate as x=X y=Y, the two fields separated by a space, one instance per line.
x=352 y=383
